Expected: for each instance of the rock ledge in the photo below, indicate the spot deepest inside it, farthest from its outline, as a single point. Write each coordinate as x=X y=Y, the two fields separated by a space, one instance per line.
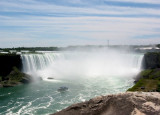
x=129 y=103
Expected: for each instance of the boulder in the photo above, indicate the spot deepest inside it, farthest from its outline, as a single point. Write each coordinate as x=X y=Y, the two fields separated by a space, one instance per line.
x=129 y=103
x=26 y=79
x=50 y=78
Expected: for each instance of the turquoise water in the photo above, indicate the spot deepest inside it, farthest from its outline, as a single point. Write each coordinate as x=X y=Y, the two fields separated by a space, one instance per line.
x=42 y=98
x=86 y=74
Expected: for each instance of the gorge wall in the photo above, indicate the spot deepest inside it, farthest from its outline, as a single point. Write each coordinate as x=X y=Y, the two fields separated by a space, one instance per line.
x=8 y=61
x=10 y=71
x=151 y=60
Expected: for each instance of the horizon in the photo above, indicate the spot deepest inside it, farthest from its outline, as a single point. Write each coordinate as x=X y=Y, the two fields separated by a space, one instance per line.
x=63 y=23
x=81 y=47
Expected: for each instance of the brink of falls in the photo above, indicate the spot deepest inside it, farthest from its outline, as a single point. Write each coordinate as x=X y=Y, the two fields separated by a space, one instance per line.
x=76 y=65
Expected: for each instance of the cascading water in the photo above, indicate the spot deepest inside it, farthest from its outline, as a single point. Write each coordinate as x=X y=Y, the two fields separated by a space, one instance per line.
x=62 y=65
x=86 y=74
x=34 y=63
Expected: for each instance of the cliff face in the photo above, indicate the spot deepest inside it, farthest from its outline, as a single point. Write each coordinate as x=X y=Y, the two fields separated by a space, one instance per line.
x=148 y=80
x=151 y=60
x=130 y=103
x=7 y=62
x=10 y=74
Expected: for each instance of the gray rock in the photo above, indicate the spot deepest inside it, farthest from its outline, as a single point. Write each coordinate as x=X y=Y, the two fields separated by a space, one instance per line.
x=129 y=103
x=50 y=78
x=26 y=79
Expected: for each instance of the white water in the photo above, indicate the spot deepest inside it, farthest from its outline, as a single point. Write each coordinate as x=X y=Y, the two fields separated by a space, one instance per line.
x=76 y=65
x=86 y=74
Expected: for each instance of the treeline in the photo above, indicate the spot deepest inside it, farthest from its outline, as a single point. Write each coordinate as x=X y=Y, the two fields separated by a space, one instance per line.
x=158 y=45
x=80 y=47
x=32 y=49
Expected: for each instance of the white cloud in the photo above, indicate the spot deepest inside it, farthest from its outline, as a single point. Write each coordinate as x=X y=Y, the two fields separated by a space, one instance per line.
x=34 y=27
x=140 y=1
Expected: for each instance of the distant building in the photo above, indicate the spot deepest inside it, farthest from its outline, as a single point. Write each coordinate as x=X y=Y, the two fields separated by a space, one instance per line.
x=12 y=51
x=18 y=53
x=24 y=51
x=147 y=48
x=4 y=52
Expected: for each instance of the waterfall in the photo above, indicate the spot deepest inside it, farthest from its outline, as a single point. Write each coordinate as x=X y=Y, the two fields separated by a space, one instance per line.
x=35 y=62
x=81 y=64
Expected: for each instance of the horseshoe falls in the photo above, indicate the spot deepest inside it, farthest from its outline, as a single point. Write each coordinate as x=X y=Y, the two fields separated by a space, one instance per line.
x=86 y=74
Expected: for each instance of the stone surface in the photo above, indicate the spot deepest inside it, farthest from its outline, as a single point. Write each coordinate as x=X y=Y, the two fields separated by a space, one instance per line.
x=26 y=79
x=151 y=60
x=129 y=103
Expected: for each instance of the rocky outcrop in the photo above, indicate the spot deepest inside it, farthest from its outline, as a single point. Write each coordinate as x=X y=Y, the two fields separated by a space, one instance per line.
x=15 y=78
x=151 y=60
x=129 y=103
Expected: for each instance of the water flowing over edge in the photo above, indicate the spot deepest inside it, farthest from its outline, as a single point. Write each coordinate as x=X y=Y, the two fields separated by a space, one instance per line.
x=62 y=65
x=86 y=74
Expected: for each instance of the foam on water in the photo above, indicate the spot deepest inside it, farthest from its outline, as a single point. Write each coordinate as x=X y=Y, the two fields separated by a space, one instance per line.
x=86 y=74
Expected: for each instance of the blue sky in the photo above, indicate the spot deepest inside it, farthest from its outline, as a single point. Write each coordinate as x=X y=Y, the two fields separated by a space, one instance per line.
x=25 y=23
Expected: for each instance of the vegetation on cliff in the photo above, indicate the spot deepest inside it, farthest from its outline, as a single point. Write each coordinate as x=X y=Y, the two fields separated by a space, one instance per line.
x=158 y=45
x=148 y=80
x=10 y=71
x=32 y=49
x=15 y=78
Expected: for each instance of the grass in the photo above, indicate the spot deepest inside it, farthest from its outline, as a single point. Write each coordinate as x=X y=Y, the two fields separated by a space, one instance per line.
x=150 y=81
x=16 y=75
x=155 y=75
x=146 y=73
x=145 y=85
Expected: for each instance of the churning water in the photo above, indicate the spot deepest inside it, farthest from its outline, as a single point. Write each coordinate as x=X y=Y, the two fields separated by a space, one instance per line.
x=86 y=74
